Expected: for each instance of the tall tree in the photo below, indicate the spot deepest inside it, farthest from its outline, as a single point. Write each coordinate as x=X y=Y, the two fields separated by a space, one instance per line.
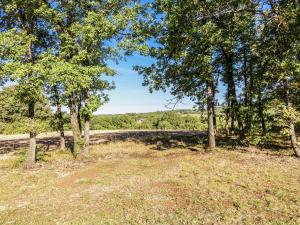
x=185 y=53
x=84 y=29
x=23 y=40
x=281 y=52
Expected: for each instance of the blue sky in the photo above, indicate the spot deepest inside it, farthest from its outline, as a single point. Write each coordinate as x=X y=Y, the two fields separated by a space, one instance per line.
x=130 y=96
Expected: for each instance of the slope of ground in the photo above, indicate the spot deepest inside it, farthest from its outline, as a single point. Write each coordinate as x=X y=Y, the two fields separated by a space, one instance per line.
x=134 y=183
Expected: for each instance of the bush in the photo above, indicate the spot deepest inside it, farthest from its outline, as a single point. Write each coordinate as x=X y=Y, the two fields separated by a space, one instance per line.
x=144 y=121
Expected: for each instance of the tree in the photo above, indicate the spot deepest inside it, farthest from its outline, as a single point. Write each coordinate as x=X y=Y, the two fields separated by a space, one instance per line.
x=23 y=39
x=281 y=52
x=79 y=62
x=186 y=47
x=57 y=100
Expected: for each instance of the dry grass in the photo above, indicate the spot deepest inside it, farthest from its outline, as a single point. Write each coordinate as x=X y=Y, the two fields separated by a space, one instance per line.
x=131 y=183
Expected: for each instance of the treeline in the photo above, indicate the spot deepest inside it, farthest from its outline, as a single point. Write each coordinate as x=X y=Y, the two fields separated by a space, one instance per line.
x=158 y=120
x=14 y=119
x=60 y=49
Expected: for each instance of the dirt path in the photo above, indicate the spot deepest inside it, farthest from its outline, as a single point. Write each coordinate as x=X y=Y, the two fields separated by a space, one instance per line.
x=51 y=140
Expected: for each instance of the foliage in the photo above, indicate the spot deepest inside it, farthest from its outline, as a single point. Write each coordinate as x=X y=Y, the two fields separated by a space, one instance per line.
x=158 y=120
x=13 y=112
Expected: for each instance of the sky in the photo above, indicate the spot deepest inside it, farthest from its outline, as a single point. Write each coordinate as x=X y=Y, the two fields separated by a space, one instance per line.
x=130 y=96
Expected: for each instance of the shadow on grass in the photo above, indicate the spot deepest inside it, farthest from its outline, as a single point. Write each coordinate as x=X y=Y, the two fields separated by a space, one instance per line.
x=20 y=157
x=162 y=143
x=198 y=142
x=162 y=140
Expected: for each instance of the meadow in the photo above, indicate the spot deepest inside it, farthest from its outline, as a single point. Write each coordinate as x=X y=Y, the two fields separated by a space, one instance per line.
x=135 y=182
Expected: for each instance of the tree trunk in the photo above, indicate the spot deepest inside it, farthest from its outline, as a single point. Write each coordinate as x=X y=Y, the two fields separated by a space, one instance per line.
x=78 y=113
x=294 y=142
x=293 y=136
x=227 y=123
x=214 y=111
x=60 y=119
x=87 y=123
x=210 y=116
x=245 y=70
x=78 y=142
x=250 y=99
x=31 y=157
x=235 y=108
x=227 y=115
x=261 y=111
x=232 y=127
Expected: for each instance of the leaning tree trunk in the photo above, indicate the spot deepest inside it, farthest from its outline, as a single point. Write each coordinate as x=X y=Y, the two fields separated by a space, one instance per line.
x=31 y=157
x=78 y=142
x=60 y=119
x=293 y=136
x=210 y=116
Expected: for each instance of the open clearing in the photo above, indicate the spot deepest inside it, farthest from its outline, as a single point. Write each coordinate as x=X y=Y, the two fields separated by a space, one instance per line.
x=134 y=183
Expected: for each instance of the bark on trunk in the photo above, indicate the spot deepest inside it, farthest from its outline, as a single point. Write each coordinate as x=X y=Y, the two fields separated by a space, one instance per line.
x=78 y=142
x=245 y=70
x=214 y=111
x=227 y=121
x=210 y=116
x=86 y=136
x=293 y=136
x=60 y=119
x=235 y=108
x=232 y=127
x=250 y=99
x=261 y=112
x=87 y=123
x=78 y=113
x=294 y=142
x=227 y=115
x=31 y=157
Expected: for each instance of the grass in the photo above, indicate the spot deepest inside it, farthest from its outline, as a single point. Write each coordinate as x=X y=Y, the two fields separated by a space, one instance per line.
x=133 y=183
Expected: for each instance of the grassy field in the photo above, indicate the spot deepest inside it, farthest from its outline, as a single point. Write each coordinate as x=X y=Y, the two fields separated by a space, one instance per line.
x=134 y=183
